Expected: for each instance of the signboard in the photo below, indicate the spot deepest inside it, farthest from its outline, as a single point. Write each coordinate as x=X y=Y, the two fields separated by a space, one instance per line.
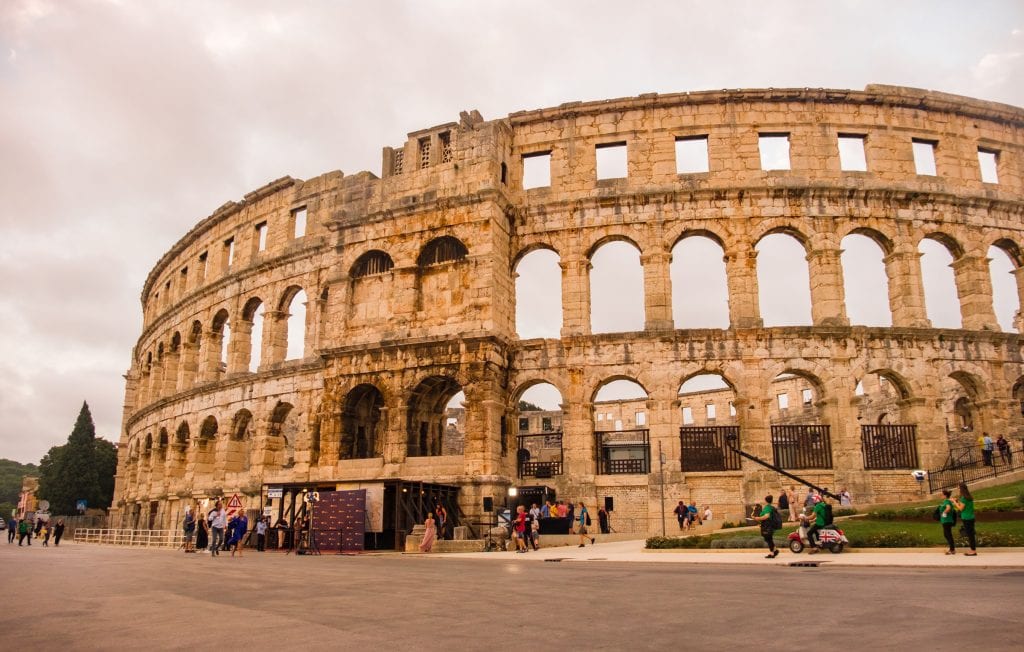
x=275 y=492
x=234 y=502
x=268 y=511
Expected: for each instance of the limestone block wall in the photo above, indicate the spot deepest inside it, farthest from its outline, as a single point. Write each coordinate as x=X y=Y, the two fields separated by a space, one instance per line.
x=315 y=331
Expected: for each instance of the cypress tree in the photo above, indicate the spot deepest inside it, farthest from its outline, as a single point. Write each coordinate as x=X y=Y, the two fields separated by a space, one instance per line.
x=70 y=473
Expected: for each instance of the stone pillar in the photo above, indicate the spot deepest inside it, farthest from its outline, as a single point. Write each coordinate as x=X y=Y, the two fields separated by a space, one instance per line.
x=828 y=301
x=974 y=287
x=482 y=448
x=275 y=336
x=240 y=347
x=209 y=368
x=906 y=289
x=189 y=367
x=316 y=317
x=741 y=272
x=172 y=360
x=657 y=290
x=932 y=442
x=579 y=453
x=575 y=296
x=395 y=435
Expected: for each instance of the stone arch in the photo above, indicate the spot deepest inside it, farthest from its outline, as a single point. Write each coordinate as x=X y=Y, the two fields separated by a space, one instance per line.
x=616 y=286
x=175 y=342
x=1002 y=268
x=531 y=248
x=426 y=419
x=623 y=445
x=241 y=425
x=952 y=245
x=362 y=426
x=371 y=263
x=537 y=418
x=442 y=250
x=149 y=444
x=293 y=304
x=181 y=434
x=884 y=242
x=865 y=282
x=208 y=429
x=774 y=227
x=283 y=428
x=783 y=278
x=221 y=330
x=162 y=440
x=707 y=397
x=538 y=297
x=700 y=284
x=253 y=313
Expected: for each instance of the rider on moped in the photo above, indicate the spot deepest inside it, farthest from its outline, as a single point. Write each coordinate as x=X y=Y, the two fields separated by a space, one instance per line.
x=819 y=522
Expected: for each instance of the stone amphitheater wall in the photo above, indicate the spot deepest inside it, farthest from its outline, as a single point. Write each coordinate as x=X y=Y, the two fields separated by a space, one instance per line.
x=410 y=297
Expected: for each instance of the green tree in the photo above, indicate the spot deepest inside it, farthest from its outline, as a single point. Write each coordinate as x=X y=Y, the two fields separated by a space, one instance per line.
x=11 y=473
x=526 y=406
x=82 y=469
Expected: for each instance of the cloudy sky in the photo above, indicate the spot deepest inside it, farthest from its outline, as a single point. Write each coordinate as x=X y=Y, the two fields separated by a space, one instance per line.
x=124 y=123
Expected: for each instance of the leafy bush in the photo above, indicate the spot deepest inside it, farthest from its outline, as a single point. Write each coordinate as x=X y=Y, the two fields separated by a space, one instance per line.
x=730 y=524
x=903 y=514
x=898 y=539
x=665 y=543
x=844 y=511
x=998 y=540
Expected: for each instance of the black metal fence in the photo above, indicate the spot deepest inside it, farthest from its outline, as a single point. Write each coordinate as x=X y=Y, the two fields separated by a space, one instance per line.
x=889 y=446
x=704 y=448
x=970 y=463
x=540 y=455
x=623 y=451
x=802 y=446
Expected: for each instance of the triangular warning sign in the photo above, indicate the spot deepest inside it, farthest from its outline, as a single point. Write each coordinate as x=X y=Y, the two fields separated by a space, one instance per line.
x=234 y=503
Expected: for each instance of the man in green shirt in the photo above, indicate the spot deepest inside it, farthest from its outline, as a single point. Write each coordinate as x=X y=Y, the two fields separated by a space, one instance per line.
x=767 y=531
x=819 y=522
x=947 y=517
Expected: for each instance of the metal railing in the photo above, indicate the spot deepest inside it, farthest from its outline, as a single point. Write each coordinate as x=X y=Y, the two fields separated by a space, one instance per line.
x=889 y=446
x=802 y=446
x=636 y=443
x=128 y=537
x=705 y=448
x=969 y=463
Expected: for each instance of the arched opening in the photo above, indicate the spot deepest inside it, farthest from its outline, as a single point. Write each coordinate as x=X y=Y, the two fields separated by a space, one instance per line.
x=941 y=300
x=539 y=295
x=1005 y=296
x=622 y=434
x=254 y=313
x=964 y=418
x=442 y=250
x=865 y=282
x=181 y=435
x=538 y=418
x=372 y=263
x=222 y=338
x=204 y=450
x=296 y=328
x=149 y=445
x=434 y=416
x=361 y=426
x=283 y=430
x=887 y=432
x=710 y=430
x=784 y=287
x=238 y=442
x=801 y=436
x=700 y=288
x=616 y=288
x=208 y=430
x=161 y=443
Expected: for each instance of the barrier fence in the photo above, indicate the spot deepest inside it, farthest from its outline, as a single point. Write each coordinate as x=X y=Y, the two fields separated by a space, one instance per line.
x=126 y=537
x=971 y=463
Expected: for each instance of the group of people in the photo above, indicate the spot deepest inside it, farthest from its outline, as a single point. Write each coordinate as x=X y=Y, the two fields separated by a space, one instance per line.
x=816 y=513
x=24 y=529
x=688 y=515
x=220 y=532
x=950 y=509
x=988 y=447
x=526 y=523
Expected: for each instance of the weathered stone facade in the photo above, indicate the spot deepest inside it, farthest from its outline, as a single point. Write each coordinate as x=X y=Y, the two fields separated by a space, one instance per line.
x=409 y=286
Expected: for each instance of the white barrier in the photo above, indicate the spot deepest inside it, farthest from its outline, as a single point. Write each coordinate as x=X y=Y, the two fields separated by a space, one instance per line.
x=125 y=537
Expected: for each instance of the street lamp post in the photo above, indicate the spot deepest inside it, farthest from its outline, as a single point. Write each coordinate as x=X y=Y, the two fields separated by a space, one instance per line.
x=661 y=473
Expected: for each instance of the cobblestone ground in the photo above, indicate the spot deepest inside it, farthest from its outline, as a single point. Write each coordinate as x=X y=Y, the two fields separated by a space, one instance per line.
x=80 y=597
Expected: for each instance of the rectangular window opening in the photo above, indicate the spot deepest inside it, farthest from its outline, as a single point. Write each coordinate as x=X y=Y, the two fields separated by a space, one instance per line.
x=299 y=222
x=807 y=396
x=611 y=161
x=691 y=154
x=545 y=424
x=709 y=410
x=687 y=415
x=446 y=146
x=229 y=252
x=641 y=418
x=424 y=152
x=524 y=424
x=618 y=424
x=774 y=149
x=261 y=237
x=924 y=157
x=851 y=153
x=783 y=401
x=988 y=160
x=732 y=409
x=536 y=170
x=600 y=416
x=203 y=265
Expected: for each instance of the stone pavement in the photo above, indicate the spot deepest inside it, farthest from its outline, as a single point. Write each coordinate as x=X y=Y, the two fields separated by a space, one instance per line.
x=633 y=551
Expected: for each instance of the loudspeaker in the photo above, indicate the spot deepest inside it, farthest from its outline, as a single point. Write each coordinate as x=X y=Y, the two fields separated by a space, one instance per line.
x=488 y=504
x=609 y=503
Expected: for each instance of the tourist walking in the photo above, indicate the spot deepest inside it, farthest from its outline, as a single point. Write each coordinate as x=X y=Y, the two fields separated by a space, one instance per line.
x=845 y=500
x=682 y=513
x=58 y=531
x=794 y=505
x=1005 y=455
x=202 y=535
x=947 y=517
x=429 y=533
x=241 y=523
x=965 y=505
x=986 y=449
x=261 y=534
x=519 y=529
x=188 y=527
x=768 y=525
x=535 y=533
x=44 y=532
x=442 y=520
x=24 y=530
x=219 y=522
x=602 y=520
x=583 y=517
x=12 y=530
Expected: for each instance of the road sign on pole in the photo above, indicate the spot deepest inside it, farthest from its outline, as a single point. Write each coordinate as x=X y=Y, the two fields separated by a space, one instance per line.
x=234 y=502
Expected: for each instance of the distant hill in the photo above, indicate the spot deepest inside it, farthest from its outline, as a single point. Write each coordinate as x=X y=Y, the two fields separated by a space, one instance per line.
x=10 y=483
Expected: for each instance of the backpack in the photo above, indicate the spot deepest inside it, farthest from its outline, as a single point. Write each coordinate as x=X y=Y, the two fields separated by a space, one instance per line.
x=587 y=516
x=775 y=520
x=828 y=514
x=937 y=514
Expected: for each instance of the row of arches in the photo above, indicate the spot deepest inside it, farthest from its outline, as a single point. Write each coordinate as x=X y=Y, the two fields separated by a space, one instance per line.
x=872 y=273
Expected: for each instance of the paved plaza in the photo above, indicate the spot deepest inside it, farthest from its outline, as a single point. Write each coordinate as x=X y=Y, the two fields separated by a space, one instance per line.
x=87 y=597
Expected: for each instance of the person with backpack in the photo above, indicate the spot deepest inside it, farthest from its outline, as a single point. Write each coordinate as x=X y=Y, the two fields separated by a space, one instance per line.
x=822 y=513
x=965 y=505
x=947 y=517
x=583 y=516
x=770 y=520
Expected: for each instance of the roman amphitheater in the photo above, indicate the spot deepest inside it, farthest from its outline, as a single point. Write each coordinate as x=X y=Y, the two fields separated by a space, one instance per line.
x=364 y=331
